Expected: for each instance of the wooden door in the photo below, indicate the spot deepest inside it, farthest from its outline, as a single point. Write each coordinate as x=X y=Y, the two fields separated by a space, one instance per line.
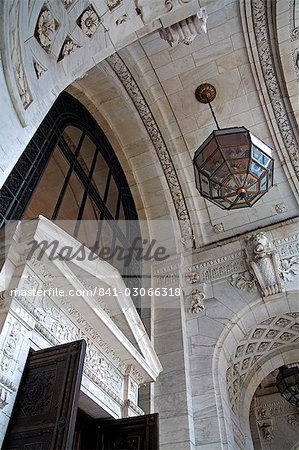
x=46 y=406
x=134 y=433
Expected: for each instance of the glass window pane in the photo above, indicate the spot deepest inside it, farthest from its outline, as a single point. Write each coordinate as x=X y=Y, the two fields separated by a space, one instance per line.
x=72 y=137
x=100 y=175
x=45 y=196
x=112 y=197
x=72 y=198
x=86 y=154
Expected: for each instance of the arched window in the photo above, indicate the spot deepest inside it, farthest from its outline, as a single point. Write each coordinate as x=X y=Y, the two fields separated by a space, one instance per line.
x=69 y=172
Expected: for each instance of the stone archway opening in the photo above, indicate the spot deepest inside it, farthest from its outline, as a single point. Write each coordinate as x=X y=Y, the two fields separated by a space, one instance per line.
x=259 y=341
x=273 y=420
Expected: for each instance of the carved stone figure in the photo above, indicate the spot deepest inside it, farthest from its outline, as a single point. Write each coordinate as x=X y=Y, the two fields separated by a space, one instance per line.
x=197 y=302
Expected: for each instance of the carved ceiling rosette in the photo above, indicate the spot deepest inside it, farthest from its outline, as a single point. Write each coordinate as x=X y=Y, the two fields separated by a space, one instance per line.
x=45 y=29
x=112 y=4
x=68 y=47
x=89 y=22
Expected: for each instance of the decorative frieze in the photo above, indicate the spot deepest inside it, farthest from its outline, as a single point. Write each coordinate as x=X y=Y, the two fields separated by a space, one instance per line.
x=217 y=269
x=287 y=247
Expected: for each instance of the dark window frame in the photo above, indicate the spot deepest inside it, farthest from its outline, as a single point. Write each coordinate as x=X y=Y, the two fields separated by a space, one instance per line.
x=28 y=171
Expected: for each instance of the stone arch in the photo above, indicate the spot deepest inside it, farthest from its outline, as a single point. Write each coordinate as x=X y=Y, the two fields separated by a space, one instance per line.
x=260 y=339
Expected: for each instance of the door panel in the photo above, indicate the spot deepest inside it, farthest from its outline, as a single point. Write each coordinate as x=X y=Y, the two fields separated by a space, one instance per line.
x=45 y=410
x=134 y=433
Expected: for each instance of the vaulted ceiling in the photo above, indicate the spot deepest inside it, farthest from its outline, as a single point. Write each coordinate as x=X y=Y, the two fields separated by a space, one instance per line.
x=142 y=95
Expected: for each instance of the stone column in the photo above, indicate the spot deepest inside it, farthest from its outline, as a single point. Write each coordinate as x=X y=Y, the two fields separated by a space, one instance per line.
x=172 y=391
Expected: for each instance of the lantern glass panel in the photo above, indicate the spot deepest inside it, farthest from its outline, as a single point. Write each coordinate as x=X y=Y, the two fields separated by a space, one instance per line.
x=205 y=185
x=260 y=157
x=240 y=151
x=231 y=138
x=260 y=144
x=255 y=169
x=213 y=163
x=230 y=187
x=253 y=188
x=238 y=165
x=263 y=182
x=215 y=190
x=250 y=180
x=241 y=179
x=221 y=174
x=207 y=150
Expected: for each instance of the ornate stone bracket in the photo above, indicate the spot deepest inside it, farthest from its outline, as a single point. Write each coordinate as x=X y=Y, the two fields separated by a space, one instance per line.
x=264 y=262
x=185 y=31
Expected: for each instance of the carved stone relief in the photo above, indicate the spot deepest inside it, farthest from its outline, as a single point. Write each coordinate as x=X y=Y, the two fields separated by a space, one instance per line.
x=263 y=42
x=154 y=9
x=89 y=22
x=243 y=281
x=15 y=56
x=112 y=4
x=197 y=302
x=68 y=47
x=294 y=19
x=39 y=69
x=264 y=262
x=45 y=29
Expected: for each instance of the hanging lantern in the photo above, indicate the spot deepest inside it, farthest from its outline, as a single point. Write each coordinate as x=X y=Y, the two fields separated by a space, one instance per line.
x=233 y=168
x=287 y=382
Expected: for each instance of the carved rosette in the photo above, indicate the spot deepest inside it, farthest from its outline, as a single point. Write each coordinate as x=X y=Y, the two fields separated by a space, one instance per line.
x=112 y=4
x=68 y=47
x=45 y=29
x=89 y=22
